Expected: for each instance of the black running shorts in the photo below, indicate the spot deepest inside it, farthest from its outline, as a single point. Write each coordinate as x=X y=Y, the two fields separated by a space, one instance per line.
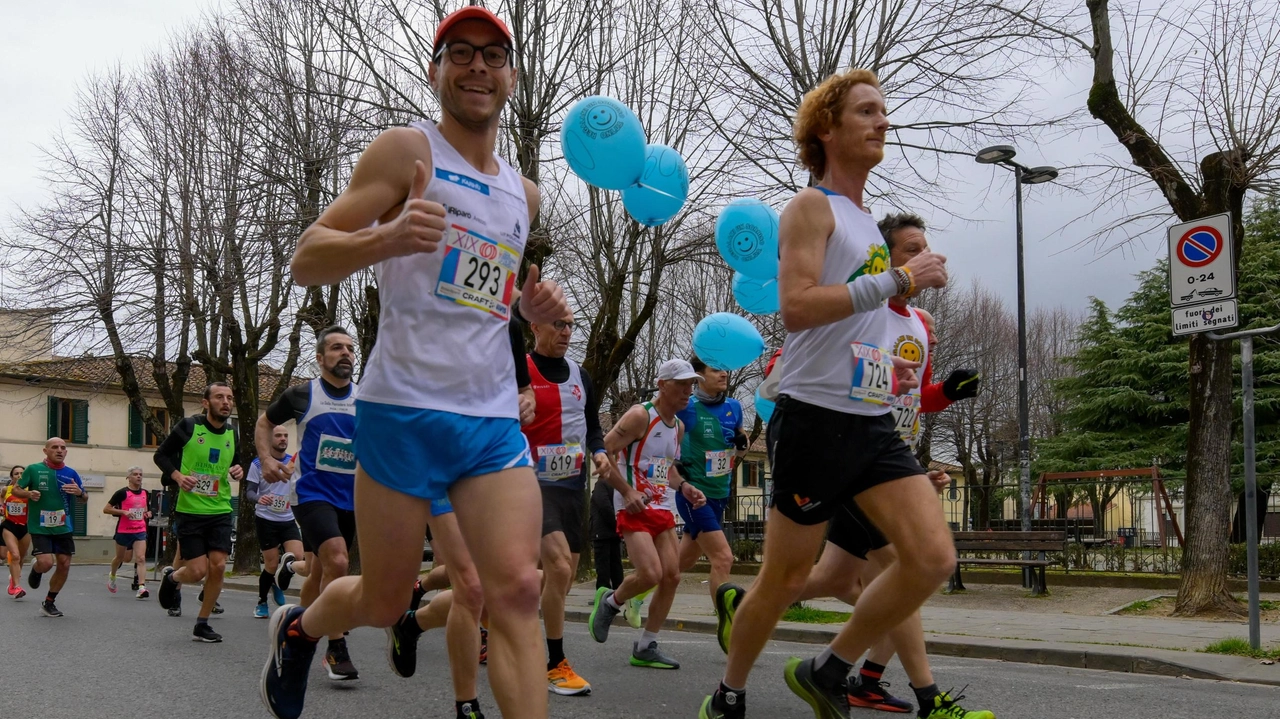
x=18 y=530
x=273 y=535
x=199 y=534
x=321 y=521
x=824 y=458
x=853 y=532
x=53 y=544
x=562 y=511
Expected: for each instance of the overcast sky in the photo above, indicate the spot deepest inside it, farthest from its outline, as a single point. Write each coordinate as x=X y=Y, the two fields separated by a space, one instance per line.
x=46 y=48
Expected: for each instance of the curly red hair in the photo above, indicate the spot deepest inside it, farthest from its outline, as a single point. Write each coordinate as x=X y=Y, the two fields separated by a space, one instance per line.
x=820 y=111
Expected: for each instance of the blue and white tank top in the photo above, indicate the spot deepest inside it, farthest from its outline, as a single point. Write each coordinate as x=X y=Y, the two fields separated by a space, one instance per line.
x=326 y=466
x=442 y=332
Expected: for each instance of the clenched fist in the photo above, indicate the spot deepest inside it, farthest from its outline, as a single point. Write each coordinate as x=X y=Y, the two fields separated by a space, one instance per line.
x=421 y=223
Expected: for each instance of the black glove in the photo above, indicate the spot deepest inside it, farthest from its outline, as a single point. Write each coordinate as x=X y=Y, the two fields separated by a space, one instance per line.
x=962 y=384
x=740 y=442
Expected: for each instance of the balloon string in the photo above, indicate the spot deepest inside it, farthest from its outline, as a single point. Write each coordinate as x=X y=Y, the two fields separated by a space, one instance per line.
x=650 y=188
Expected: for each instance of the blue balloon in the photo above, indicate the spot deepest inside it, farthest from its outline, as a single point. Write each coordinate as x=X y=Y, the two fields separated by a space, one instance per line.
x=747 y=237
x=758 y=297
x=603 y=142
x=727 y=341
x=764 y=408
x=662 y=190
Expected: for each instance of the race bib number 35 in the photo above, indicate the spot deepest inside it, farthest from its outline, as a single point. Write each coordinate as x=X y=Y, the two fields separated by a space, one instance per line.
x=53 y=518
x=873 y=378
x=718 y=463
x=206 y=484
x=478 y=272
x=559 y=461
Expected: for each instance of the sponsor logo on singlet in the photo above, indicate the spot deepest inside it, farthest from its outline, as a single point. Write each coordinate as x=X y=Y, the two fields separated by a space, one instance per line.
x=462 y=180
x=334 y=454
x=877 y=262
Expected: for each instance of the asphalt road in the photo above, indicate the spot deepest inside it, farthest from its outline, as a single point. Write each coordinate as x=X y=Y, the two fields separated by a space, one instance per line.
x=114 y=656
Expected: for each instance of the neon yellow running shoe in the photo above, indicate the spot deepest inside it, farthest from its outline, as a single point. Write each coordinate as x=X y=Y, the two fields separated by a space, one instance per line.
x=944 y=707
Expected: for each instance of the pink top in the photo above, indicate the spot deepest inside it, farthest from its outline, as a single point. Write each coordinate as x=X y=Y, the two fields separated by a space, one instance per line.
x=135 y=504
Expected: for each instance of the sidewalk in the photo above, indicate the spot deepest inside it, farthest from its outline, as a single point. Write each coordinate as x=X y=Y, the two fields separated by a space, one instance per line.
x=1035 y=632
x=1142 y=645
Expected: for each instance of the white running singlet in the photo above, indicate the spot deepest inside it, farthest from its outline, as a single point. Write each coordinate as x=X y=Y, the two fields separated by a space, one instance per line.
x=646 y=462
x=821 y=367
x=908 y=338
x=442 y=333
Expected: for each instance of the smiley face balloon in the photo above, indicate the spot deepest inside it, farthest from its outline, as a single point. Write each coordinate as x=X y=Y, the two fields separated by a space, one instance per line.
x=747 y=237
x=727 y=341
x=603 y=142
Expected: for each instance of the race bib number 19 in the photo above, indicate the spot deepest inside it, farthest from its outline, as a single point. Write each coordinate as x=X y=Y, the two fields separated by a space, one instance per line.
x=206 y=484
x=873 y=378
x=53 y=518
x=559 y=461
x=718 y=463
x=478 y=272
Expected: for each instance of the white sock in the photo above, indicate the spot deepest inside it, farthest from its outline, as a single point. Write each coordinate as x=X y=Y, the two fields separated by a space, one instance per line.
x=611 y=601
x=646 y=637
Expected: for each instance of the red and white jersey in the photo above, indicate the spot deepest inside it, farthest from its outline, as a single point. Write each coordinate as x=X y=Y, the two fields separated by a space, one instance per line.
x=559 y=427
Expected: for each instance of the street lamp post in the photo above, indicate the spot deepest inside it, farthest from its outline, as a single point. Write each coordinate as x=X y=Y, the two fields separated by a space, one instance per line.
x=1003 y=155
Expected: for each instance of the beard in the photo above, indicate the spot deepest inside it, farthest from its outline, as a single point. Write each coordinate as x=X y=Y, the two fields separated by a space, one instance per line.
x=342 y=370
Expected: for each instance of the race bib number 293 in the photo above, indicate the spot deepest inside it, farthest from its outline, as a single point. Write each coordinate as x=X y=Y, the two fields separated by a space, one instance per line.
x=478 y=272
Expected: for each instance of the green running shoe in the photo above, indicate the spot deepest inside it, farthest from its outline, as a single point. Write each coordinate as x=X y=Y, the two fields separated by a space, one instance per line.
x=602 y=615
x=631 y=611
x=650 y=657
x=826 y=702
x=728 y=597
x=944 y=707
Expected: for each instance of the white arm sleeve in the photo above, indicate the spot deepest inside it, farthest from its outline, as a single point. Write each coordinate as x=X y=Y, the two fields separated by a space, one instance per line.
x=869 y=292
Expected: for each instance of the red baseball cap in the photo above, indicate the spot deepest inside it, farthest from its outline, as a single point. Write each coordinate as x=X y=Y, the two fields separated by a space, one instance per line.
x=470 y=12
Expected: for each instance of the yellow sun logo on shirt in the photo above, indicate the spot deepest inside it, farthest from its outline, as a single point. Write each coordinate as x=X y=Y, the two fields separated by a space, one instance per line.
x=908 y=348
x=877 y=262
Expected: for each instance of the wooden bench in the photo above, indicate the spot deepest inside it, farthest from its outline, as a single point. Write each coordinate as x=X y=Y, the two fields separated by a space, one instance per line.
x=1037 y=542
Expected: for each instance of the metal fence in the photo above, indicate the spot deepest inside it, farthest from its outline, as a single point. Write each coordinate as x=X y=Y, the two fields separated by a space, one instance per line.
x=1117 y=525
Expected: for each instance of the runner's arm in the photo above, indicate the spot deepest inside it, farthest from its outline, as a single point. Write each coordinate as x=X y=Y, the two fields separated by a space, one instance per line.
x=344 y=239
x=803 y=233
x=168 y=456
x=931 y=397
x=595 y=435
x=253 y=479
x=113 y=504
x=22 y=490
x=629 y=428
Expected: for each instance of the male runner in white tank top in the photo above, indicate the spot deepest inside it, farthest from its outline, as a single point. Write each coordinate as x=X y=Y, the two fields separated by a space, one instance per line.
x=443 y=221
x=836 y=434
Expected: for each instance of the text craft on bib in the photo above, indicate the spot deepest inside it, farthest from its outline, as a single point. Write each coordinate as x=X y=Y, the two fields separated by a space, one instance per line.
x=559 y=461
x=717 y=463
x=478 y=272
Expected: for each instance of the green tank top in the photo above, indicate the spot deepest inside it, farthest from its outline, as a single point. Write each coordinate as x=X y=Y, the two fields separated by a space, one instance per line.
x=207 y=456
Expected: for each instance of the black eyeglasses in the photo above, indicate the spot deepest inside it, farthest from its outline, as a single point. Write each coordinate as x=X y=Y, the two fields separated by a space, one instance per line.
x=462 y=53
x=562 y=325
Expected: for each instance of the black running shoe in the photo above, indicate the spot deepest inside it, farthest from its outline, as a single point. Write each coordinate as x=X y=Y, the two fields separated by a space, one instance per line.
x=418 y=594
x=723 y=706
x=284 y=575
x=169 y=596
x=871 y=694
x=176 y=610
x=134 y=585
x=402 y=646
x=469 y=711
x=204 y=633
x=49 y=609
x=284 y=678
x=827 y=702
x=217 y=608
x=337 y=661
x=33 y=579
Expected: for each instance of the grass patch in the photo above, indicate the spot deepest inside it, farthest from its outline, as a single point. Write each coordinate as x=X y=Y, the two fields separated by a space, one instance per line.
x=1239 y=647
x=1142 y=605
x=1264 y=605
x=809 y=615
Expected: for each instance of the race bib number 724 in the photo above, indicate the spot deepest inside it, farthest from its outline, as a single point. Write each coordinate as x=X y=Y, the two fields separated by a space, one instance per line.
x=873 y=377
x=478 y=272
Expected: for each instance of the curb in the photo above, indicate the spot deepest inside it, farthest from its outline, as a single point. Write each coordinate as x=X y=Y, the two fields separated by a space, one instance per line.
x=1105 y=658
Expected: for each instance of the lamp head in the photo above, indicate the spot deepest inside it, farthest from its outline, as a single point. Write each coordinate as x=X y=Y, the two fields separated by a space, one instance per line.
x=994 y=154
x=1037 y=175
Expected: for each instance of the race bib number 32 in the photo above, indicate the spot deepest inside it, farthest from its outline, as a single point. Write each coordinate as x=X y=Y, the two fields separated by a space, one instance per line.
x=873 y=377
x=718 y=463
x=559 y=461
x=478 y=272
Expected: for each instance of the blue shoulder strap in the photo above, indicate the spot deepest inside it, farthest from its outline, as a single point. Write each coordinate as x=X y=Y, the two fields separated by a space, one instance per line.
x=826 y=192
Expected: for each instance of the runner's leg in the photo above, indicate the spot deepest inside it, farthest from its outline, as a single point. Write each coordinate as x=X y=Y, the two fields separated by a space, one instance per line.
x=789 y=553
x=907 y=637
x=191 y=571
x=140 y=562
x=714 y=545
x=121 y=557
x=314 y=577
x=461 y=607
x=17 y=554
x=271 y=559
x=59 y=577
x=668 y=581
x=502 y=537
x=557 y=567
x=333 y=563
x=926 y=558
x=837 y=574
x=216 y=572
x=648 y=568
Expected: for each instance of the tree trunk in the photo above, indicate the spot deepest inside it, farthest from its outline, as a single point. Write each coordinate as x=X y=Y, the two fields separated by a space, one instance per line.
x=1206 y=555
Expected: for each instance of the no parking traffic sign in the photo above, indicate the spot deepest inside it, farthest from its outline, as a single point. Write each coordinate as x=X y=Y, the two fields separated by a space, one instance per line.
x=1202 y=279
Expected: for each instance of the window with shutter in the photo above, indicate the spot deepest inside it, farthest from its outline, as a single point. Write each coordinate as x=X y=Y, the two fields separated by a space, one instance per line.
x=79 y=517
x=80 y=421
x=52 y=430
x=135 y=427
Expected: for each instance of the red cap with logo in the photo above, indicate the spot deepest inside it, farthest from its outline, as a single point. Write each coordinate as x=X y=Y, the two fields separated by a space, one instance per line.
x=470 y=12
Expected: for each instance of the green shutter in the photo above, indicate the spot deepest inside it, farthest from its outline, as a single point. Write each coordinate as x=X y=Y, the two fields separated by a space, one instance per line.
x=79 y=517
x=135 y=427
x=53 y=418
x=80 y=421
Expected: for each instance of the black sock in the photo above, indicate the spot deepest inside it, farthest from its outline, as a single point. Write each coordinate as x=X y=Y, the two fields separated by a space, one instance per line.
x=200 y=598
x=731 y=697
x=201 y=620
x=265 y=580
x=50 y=597
x=870 y=671
x=409 y=625
x=924 y=696
x=555 y=652
x=465 y=709
x=831 y=669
